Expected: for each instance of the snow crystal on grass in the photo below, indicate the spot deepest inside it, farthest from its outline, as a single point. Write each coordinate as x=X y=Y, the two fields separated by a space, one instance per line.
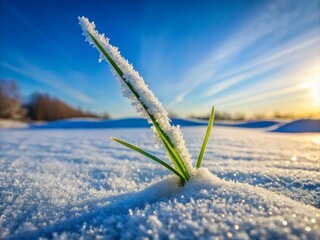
x=146 y=96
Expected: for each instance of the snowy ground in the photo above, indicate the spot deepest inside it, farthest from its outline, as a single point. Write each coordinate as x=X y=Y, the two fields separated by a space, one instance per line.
x=72 y=183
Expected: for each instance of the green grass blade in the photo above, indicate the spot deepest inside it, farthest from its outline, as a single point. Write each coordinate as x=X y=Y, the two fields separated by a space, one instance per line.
x=174 y=155
x=206 y=139
x=149 y=155
x=106 y=55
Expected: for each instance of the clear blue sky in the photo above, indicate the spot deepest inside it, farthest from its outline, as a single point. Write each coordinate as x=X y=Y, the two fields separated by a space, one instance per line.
x=242 y=55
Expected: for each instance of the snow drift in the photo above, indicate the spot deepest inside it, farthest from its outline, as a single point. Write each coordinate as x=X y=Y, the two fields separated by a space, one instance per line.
x=296 y=126
x=249 y=124
x=206 y=207
x=299 y=126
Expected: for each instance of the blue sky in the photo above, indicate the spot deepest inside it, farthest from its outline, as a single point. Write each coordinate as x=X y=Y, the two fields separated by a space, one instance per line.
x=241 y=56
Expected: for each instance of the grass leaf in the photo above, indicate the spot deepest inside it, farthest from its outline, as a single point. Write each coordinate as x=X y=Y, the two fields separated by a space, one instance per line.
x=149 y=155
x=206 y=139
x=174 y=155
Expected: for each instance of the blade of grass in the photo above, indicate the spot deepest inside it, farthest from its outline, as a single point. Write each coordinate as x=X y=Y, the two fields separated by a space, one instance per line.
x=176 y=159
x=149 y=155
x=206 y=138
x=174 y=155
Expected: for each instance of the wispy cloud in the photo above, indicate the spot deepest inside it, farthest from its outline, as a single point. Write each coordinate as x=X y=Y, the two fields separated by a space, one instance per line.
x=282 y=92
x=301 y=80
x=288 y=56
x=48 y=78
x=272 y=24
x=179 y=98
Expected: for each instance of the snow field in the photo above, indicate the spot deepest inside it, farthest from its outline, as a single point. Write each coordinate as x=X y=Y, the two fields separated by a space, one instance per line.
x=78 y=183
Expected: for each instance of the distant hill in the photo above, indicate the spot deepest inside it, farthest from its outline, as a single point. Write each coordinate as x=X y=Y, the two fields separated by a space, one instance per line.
x=296 y=126
x=142 y=123
x=117 y=123
x=299 y=126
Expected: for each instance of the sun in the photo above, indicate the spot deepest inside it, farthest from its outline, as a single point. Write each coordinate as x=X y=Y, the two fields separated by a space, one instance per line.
x=311 y=83
x=315 y=87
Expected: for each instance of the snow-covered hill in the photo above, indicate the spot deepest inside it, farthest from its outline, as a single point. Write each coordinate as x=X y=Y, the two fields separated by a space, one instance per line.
x=299 y=126
x=295 y=126
x=90 y=123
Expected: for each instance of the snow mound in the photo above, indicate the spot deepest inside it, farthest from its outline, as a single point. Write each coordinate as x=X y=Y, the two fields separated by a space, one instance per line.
x=305 y=125
x=206 y=207
x=299 y=126
x=249 y=124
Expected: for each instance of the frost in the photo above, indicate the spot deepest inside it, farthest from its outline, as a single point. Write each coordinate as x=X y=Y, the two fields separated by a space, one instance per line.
x=146 y=96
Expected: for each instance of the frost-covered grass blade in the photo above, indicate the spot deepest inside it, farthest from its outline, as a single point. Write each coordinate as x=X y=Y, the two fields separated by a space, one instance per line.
x=149 y=155
x=206 y=139
x=174 y=155
x=142 y=98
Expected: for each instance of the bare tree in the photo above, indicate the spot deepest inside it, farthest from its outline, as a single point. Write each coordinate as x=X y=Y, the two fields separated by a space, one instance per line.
x=43 y=107
x=10 y=105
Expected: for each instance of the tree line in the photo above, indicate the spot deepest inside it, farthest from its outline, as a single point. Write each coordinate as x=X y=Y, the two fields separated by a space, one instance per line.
x=40 y=107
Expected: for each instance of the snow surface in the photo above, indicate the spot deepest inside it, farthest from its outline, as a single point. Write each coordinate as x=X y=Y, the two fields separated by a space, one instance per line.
x=67 y=184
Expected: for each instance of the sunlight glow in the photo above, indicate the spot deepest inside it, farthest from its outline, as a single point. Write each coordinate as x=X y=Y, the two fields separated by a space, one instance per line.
x=316 y=90
x=312 y=83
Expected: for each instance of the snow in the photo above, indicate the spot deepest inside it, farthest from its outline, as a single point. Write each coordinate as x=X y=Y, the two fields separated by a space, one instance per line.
x=298 y=126
x=68 y=184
